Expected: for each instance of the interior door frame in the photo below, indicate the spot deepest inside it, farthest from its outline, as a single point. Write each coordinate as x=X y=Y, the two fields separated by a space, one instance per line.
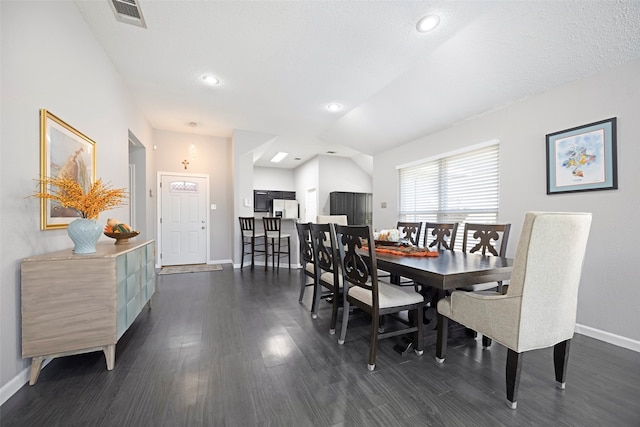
x=159 y=212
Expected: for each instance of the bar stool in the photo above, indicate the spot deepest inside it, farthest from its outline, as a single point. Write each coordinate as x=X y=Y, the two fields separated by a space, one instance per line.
x=273 y=232
x=248 y=237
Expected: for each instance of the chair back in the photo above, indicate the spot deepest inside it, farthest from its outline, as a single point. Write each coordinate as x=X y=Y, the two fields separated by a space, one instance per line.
x=247 y=226
x=546 y=274
x=357 y=271
x=324 y=249
x=488 y=239
x=443 y=234
x=272 y=226
x=304 y=236
x=332 y=219
x=410 y=231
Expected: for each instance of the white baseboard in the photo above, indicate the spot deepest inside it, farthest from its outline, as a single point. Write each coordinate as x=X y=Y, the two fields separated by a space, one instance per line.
x=15 y=384
x=220 y=261
x=261 y=264
x=608 y=337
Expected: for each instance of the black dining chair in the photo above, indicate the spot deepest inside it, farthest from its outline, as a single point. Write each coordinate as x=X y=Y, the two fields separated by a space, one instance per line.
x=363 y=290
x=273 y=238
x=306 y=259
x=249 y=240
x=328 y=276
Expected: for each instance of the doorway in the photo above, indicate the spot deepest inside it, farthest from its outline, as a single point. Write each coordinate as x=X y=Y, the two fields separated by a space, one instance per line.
x=183 y=221
x=311 y=211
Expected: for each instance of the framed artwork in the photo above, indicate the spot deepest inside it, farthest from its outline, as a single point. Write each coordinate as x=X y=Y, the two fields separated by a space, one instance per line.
x=63 y=152
x=582 y=158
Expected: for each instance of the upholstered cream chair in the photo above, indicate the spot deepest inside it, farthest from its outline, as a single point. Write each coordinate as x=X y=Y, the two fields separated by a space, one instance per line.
x=332 y=219
x=539 y=308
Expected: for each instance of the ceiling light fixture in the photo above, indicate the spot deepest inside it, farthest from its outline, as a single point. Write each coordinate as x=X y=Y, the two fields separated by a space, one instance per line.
x=211 y=80
x=428 y=23
x=278 y=157
x=333 y=107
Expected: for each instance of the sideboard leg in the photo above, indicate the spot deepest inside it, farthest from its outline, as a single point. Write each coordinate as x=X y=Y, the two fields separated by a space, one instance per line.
x=36 y=365
x=110 y=355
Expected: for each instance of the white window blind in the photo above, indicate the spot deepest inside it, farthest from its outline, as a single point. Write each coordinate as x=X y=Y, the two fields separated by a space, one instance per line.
x=459 y=188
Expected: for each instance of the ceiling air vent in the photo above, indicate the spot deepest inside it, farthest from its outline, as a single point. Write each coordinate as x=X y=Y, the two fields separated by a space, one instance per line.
x=128 y=11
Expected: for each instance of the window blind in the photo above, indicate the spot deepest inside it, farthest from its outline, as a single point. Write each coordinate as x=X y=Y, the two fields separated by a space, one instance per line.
x=461 y=188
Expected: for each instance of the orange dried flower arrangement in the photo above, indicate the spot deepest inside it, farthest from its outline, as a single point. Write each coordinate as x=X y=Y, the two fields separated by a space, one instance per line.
x=70 y=194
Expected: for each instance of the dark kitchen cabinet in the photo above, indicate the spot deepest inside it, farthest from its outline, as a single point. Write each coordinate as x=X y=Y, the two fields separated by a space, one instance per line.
x=358 y=207
x=262 y=199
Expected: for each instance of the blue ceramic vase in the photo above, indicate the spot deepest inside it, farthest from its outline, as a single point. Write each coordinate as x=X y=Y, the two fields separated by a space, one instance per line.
x=85 y=234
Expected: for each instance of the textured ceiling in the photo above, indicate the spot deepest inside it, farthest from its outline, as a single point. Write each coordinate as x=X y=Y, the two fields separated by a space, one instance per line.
x=282 y=62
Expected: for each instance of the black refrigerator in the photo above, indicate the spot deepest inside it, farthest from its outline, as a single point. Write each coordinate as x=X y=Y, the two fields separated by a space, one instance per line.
x=358 y=207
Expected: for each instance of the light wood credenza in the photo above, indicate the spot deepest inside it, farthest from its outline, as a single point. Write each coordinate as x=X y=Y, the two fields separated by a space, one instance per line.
x=75 y=304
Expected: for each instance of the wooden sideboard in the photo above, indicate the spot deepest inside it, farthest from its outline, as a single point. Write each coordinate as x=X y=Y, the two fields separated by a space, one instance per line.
x=75 y=304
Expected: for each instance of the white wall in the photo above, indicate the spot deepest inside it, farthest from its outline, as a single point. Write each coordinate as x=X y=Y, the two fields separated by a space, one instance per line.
x=211 y=156
x=307 y=178
x=340 y=174
x=277 y=179
x=51 y=60
x=610 y=288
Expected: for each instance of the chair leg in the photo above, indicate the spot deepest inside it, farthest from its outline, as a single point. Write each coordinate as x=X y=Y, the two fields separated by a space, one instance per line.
x=486 y=342
x=418 y=338
x=373 y=345
x=241 y=252
x=253 y=252
x=560 y=362
x=514 y=368
x=266 y=252
x=317 y=293
x=441 y=338
x=289 y=251
x=279 y=250
x=334 y=313
x=303 y=283
x=345 y=321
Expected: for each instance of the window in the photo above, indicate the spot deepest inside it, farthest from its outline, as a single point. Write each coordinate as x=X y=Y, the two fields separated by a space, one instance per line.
x=462 y=187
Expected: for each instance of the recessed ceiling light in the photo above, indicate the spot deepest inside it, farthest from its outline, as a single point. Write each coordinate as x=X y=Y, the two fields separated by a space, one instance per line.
x=333 y=107
x=211 y=80
x=428 y=23
x=278 y=157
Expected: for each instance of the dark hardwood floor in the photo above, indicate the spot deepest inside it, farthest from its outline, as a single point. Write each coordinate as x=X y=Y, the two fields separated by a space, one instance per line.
x=235 y=348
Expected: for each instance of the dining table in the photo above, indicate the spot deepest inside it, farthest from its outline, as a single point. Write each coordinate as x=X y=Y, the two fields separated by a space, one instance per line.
x=446 y=271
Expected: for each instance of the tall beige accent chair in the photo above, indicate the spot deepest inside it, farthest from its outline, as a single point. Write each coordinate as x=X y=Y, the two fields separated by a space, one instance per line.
x=539 y=308
x=332 y=219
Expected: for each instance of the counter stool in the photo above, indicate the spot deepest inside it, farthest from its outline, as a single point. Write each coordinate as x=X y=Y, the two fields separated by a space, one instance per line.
x=273 y=233
x=248 y=238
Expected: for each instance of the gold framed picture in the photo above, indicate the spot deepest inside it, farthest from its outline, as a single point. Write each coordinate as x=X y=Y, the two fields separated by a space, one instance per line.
x=64 y=151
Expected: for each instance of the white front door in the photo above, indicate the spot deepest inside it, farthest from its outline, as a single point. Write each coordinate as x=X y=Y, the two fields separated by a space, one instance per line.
x=183 y=219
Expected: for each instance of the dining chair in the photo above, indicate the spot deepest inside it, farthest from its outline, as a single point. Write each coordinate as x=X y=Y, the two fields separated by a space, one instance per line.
x=410 y=231
x=487 y=239
x=328 y=276
x=539 y=307
x=248 y=239
x=363 y=290
x=440 y=235
x=306 y=259
x=273 y=237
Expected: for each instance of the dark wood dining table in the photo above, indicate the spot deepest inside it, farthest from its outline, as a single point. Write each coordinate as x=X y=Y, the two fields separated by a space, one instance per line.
x=449 y=270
